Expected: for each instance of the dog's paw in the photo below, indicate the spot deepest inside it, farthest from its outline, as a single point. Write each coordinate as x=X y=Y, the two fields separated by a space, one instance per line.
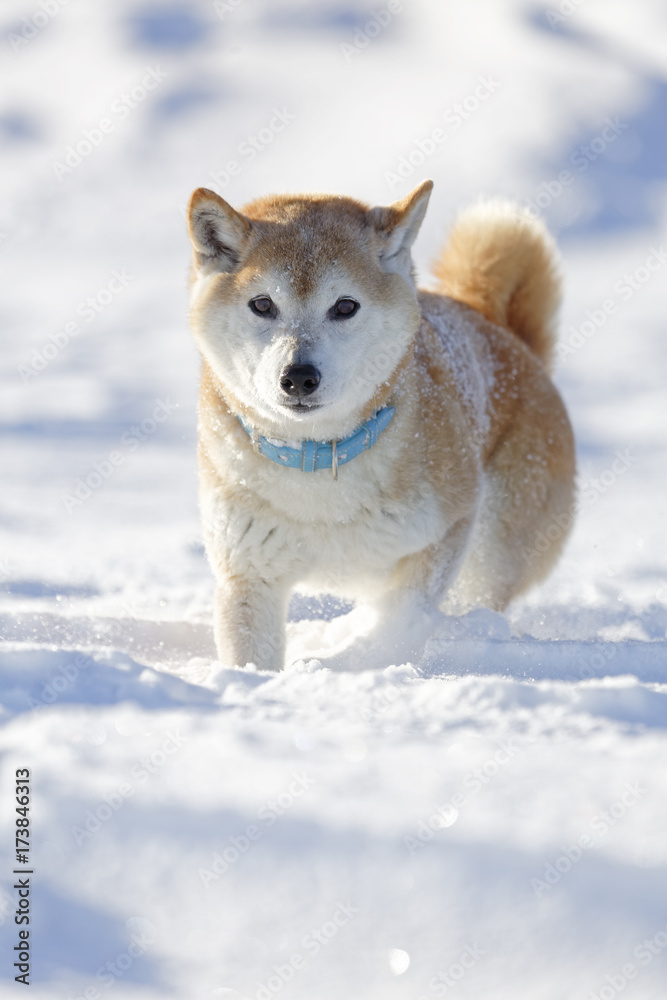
x=397 y=634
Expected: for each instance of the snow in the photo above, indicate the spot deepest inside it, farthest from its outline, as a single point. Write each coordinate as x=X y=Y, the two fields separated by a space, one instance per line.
x=487 y=821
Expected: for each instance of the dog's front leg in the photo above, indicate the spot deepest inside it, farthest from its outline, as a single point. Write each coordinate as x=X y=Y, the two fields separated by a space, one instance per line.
x=250 y=622
x=406 y=613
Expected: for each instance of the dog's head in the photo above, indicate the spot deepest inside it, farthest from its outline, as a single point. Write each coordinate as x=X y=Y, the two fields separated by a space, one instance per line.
x=304 y=305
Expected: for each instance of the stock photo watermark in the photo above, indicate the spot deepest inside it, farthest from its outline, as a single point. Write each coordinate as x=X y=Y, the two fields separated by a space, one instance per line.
x=224 y=7
x=454 y=117
x=312 y=943
x=60 y=682
x=376 y=24
x=140 y=772
x=582 y=157
x=383 y=701
x=88 y=309
x=34 y=23
x=566 y=8
x=626 y=287
x=644 y=953
x=121 y=108
x=268 y=814
x=103 y=469
x=600 y=824
x=597 y=662
x=589 y=494
x=446 y=814
x=444 y=981
x=249 y=148
x=142 y=936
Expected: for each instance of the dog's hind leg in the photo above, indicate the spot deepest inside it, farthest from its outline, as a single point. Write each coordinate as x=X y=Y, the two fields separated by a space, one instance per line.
x=524 y=520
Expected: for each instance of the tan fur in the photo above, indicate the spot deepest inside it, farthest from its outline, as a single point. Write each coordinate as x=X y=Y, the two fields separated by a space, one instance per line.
x=450 y=506
x=503 y=262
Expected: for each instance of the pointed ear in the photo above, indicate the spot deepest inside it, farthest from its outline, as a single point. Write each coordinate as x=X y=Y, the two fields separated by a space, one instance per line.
x=219 y=234
x=398 y=225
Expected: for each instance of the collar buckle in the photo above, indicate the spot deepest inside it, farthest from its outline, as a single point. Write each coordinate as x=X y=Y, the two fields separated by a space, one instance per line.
x=334 y=461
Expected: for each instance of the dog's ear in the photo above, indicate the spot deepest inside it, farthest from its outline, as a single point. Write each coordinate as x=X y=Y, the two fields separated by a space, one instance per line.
x=397 y=226
x=219 y=234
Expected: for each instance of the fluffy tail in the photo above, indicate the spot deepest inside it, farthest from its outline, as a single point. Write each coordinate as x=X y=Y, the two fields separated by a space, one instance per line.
x=503 y=262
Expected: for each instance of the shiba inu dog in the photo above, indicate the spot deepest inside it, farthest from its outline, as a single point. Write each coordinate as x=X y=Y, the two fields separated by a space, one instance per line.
x=363 y=438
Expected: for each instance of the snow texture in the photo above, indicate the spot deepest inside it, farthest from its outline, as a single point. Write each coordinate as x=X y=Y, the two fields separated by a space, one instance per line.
x=487 y=821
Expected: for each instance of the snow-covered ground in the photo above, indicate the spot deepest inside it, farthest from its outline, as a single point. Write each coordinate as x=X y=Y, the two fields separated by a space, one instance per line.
x=486 y=823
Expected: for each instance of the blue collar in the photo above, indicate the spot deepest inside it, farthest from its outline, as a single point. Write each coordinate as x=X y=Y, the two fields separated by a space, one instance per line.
x=314 y=455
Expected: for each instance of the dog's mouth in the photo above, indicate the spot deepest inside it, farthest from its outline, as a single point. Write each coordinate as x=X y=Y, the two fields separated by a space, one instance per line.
x=301 y=408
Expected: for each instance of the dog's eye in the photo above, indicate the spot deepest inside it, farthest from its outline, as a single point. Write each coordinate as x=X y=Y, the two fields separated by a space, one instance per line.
x=344 y=308
x=263 y=306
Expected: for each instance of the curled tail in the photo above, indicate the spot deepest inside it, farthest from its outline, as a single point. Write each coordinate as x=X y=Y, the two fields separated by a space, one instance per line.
x=503 y=262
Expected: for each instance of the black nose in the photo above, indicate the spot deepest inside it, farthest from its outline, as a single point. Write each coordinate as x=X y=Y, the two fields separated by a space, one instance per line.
x=300 y=380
